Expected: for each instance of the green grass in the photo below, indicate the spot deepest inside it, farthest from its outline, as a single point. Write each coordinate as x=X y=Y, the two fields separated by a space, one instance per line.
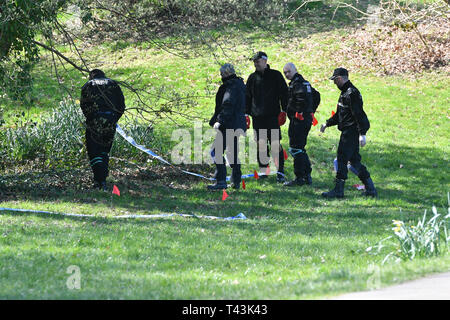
x=294 y=244
x=310 y=248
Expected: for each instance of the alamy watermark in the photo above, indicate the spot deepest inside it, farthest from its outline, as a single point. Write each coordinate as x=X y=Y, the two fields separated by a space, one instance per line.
x=74 y=280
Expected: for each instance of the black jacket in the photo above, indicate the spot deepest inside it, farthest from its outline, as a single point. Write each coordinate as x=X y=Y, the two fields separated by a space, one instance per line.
x=265 y=92
x=299 y=97
x=350 y=111
x=102 y=97
x=230 y=104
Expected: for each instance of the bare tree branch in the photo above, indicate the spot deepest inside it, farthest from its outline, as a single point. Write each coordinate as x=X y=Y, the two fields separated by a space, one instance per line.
x=59 y=54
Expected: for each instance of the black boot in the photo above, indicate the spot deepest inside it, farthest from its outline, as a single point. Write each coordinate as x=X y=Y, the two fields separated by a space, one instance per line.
x=337 y=192
x=218 y=186
x=308 y=179
x=370 y=188
x=236 y=176
x=302 y=167
x=296 y=182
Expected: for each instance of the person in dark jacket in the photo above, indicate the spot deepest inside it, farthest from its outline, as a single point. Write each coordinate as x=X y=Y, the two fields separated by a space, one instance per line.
x=266 y=91
x=353 y=123
x=299 y=111
x=102 y=103
x=229 y=121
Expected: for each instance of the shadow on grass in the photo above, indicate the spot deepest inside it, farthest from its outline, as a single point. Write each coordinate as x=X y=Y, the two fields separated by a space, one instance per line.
x=399 y=172
x=300 y=223
x=407 y=177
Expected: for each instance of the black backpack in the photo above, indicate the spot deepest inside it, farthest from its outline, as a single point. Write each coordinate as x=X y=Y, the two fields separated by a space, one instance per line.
x=315 y=97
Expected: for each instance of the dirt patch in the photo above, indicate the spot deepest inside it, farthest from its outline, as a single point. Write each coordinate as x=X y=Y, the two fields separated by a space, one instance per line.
x=48 y=183
x=390 y=50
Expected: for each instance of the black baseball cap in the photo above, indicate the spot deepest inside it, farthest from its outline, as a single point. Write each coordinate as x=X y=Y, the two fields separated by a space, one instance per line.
x=259 y=55
x=339 y=72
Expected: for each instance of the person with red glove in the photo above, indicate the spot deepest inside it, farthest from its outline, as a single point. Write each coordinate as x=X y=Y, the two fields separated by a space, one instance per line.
x=299 y=111
x=282 y=118
x=266 y=91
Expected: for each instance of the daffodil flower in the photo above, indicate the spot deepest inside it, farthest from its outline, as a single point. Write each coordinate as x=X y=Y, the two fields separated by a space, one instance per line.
x=397 y=223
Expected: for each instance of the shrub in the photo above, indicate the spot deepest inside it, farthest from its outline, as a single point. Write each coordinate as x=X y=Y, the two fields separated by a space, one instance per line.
x=425 y=239
x=63 y=130
x=58 y=141
x=24 y=143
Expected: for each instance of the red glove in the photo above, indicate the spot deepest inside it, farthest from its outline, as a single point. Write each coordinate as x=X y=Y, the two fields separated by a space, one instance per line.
x=247 y=121
x=299 y=116
x=282 y=118
x=314 y=120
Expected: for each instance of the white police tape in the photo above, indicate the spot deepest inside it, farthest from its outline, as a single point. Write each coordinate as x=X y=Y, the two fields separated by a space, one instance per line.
x=240 y=216
x=154 y=155
x=140 y=147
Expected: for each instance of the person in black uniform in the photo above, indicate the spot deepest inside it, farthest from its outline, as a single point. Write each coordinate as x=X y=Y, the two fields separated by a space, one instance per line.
x=299 y=111
x=229 y=121
x=266 y=90
x=102 y=103
x=353 y=123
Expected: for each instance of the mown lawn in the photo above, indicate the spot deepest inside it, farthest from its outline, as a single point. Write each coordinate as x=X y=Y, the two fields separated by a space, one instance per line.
x=294 y=244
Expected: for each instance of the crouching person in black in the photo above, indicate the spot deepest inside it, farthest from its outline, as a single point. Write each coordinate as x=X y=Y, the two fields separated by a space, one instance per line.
x=229 y=121
x=102 y=103
x=299 y=111
x=353 y=123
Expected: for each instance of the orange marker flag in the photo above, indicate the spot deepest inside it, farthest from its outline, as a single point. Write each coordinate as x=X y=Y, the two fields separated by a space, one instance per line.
x=256 y=175
x=116 y=190
x=224 y=195
x=285 y=154
x=332 y=112
x=243 y=184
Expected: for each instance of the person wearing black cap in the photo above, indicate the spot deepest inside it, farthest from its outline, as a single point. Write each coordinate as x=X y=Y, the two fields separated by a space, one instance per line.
x=353 y=123
x=266 y=91
x=229 y=121
x=299 y=111
x=102 y=103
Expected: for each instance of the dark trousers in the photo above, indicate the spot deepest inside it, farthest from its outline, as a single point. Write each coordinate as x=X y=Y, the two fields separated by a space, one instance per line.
x=348 y=150
x=99 y=139
x=267 y=135
x=229 y=143
x=298 y=136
